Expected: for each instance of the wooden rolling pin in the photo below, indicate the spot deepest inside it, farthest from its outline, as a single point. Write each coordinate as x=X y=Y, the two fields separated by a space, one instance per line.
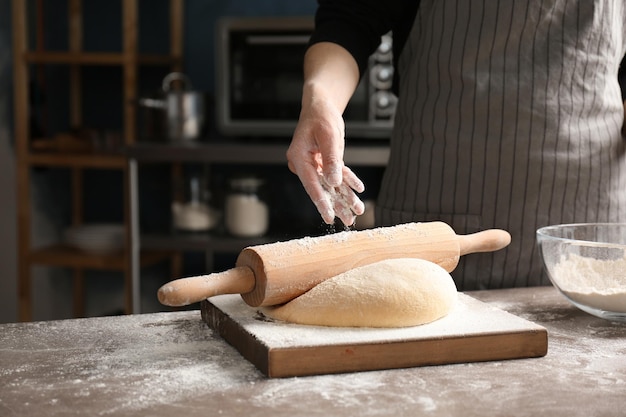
x=275 y=273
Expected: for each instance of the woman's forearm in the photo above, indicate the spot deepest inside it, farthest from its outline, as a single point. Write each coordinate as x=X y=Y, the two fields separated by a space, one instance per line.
x=330 y=74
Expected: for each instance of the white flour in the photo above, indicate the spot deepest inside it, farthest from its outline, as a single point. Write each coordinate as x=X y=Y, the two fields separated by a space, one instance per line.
x=276 y=254
x=339 y=200
x=161 y=358
x=468 y=317
x=596 y=283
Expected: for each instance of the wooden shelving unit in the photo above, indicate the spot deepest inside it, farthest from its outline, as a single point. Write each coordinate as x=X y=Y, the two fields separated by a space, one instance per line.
x=129 y=59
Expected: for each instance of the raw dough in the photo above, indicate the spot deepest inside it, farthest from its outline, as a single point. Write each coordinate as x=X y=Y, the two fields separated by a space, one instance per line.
x=391 y=293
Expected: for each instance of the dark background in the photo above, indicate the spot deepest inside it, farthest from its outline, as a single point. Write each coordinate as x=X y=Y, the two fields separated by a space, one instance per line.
x=102 y=99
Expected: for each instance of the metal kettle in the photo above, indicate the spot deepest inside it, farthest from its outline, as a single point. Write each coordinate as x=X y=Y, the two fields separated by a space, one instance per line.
x=184 y=108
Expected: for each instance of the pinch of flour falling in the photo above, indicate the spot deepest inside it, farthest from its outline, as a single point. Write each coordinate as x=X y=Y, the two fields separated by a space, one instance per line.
x=593 y=282
x=338 y=201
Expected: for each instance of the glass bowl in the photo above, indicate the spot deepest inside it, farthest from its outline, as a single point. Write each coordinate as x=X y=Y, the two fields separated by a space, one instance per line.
x=586 y=262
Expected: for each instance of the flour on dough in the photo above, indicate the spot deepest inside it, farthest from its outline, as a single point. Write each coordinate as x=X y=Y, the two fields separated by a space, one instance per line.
x=391 y=293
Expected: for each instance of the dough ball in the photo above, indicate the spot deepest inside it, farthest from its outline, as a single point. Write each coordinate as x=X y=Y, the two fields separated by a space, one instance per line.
x=391 y=293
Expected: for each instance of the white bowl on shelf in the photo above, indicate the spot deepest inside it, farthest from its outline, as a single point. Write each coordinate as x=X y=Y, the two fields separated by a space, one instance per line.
x=97 y=238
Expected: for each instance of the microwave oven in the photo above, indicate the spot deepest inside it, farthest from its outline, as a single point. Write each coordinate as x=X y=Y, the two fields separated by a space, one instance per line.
x=259 y=80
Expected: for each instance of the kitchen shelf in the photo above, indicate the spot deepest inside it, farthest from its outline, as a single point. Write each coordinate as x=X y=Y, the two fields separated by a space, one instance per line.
x=62 y=255
x=29 y=62
x=245 y=152
x=97 y=58
x=200 y=242
x=77 y=160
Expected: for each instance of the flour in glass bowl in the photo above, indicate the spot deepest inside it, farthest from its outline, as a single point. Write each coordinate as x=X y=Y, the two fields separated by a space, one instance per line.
x=596 y=283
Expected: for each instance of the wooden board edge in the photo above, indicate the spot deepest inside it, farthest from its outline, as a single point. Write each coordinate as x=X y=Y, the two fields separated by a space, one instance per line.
x=332 y=359
x=290 y=362
x=232 y=332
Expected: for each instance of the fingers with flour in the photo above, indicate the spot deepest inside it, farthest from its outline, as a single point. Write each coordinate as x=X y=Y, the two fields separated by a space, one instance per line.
x=345 y=202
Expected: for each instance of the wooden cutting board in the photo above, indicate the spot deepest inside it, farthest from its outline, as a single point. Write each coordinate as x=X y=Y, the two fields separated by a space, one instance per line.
x=472 y=332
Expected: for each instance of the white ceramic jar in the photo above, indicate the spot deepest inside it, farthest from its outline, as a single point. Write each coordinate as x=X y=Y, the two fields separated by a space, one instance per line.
x=246 y=209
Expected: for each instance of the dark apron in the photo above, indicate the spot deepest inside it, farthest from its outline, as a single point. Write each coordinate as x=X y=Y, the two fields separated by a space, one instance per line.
x=509 y=117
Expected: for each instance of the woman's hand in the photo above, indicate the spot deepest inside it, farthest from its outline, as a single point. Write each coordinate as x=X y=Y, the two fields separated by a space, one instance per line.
x=316 y=157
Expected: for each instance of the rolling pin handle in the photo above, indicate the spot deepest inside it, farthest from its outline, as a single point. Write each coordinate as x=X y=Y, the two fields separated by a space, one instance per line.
x=185 y=291
x=485 y=241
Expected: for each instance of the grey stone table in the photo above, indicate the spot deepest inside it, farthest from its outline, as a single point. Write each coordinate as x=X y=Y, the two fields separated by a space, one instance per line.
x=172 y=364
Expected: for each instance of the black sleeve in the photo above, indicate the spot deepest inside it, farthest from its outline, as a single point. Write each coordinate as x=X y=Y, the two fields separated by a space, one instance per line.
x=357 y=25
